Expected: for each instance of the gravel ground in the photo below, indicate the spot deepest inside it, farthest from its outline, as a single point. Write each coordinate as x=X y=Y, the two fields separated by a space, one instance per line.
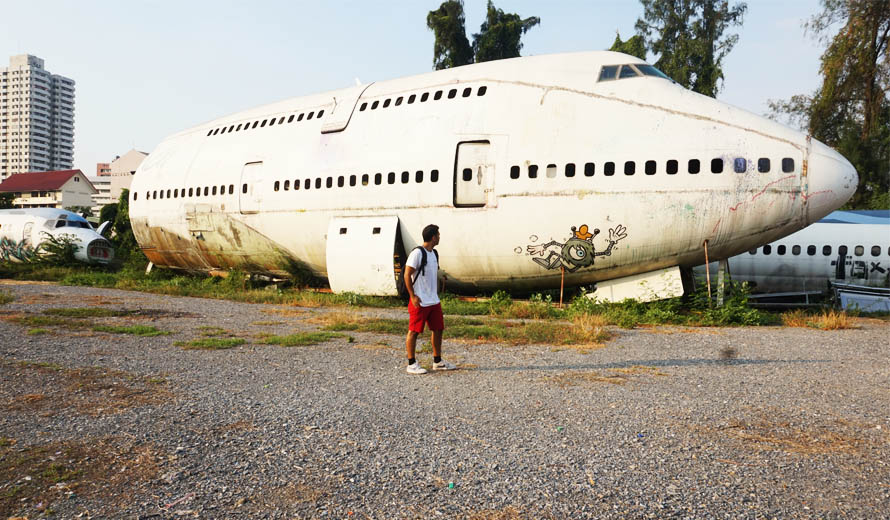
x=655 y=424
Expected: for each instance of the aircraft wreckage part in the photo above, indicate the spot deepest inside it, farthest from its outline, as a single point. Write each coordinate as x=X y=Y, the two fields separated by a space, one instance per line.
x=363 y=255
x=643 y=287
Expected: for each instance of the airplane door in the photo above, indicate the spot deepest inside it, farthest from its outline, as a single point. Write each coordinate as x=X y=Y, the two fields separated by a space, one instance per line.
x=250 y=194
x=365 y=255
x=473 y=174
x=344 y=106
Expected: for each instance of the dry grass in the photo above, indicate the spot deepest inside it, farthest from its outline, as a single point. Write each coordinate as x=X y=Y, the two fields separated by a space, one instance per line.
x=825 y=320
x=90 y=391
x=615 y=376
x=375 y=346
x=284 y=311
x=98 y=468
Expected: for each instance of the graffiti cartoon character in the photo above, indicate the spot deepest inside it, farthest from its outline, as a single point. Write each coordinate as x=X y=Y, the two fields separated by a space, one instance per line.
x=576 y=252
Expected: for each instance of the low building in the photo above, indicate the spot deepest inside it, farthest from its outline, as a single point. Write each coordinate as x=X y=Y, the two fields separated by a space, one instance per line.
x=103 y=168
x=103 y=195
x=121 y=171
x=56 y=189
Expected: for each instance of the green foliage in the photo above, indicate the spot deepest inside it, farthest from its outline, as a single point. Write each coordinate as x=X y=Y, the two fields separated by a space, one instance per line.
x=850 y=110
x=210 y=343
x=124 y=241
x=501 y=33
x=451 y=47
x=58 y=250
x=499 y=37
x=687 y=36
x=83 y=211
x=108 y=213
x=6 y=297
x=136 y=330
x=301 y=339
x=635 y=46
x=6 y=200
x=85 y=312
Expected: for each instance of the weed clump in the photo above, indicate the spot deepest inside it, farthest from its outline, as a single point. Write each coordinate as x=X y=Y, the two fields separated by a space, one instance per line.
x=210 y=343
x=301 y=339
x=824 y=320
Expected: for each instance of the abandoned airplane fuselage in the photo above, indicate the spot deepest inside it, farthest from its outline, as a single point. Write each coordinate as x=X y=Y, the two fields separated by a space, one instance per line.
x=24 y=233
x=592 y=166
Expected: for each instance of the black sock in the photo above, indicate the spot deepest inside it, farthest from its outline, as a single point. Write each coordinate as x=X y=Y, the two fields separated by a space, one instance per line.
x=411 y=361
x=437 y=359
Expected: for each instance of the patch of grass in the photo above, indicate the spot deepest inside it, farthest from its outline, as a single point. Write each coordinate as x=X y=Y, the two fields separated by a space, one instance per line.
x=6 y=297
x=136 y=330
x=49 y=321
x=211 y=343
x=301 y=339
x=268 y=323
x=824 y=320
x=86 y=312
x=37 y=332
x=211 y=331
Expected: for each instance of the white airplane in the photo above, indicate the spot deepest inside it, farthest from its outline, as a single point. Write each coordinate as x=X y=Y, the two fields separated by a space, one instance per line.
x=24 y=231
x=574 y=168
x=850 y=247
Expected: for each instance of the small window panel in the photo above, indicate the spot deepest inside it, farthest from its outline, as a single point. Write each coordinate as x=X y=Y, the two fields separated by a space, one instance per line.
x=740 y=165
x=650 y=167
x=787 y=165
x=767 y=249
x=434 y=176
x=551 y=171
x=717 y=165
x=763 y=165
x=795 y=250
x=694 y=166
x=780 y=250
x=672 y=167
x=514 y=172
x=589 y=169
x=609 y=169
x=533 y=171
x=630 y=168
x=609 y=72
x=570 y=170
x=811 y=250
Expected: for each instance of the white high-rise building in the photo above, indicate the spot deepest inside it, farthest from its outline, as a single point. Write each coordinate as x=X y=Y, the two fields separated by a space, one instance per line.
x=36 y=118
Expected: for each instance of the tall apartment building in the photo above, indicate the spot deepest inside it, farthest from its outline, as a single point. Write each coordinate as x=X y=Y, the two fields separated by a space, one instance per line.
x=36 y=118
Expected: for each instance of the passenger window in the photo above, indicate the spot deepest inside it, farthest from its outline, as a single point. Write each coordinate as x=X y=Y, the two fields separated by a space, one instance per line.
x=405 y=177
x=811 y=250
x=780 y=250
x=514 y=172
x=168 y=192
x=452 y=93
x=329 y=182
x=290 y=119
x=694 y=166
x=740 y=165
x=277 y=185
x=300 y=117
x=378 y=178
x=286 y=185
x=307 y=184
x=281 y=120
x=272 y=121
x=296 y=184
x=608 y=72
x=842 y=251
x=787 y=165
x=858 y=250
x=320 y=113
x=399 y=100
x=795 y=250
x=341 y=181
x=467 y=92
x=209 y=132
x=570 y=170
x=763 y=165
x=588 y=169
x=255 y=123
x=135 y=195
x=875 y=251
x=481 y=91
x=352 y=180
x=411 y=98
x=424 y=97
x=231 y=128
x=264 y=123
x=551 y=171
x=418 y=176
x=386 y=103
x=391 y=178
x=438 y=95
x=231 y=189
x=767 y=249
x=364 y=179
x=672 y=167
x=318 y=183
x=716 y=165
x=310 y=115
x=752 y=251
x=176 y=193
x=826 y=250
x=434 y=176
x=243 y=189
x=222 y=130
x=238 y=128
x=532 y=171
x=609 y=169
x=630 y=168
x=650 y=167
x=191 y=192
x=374 y=105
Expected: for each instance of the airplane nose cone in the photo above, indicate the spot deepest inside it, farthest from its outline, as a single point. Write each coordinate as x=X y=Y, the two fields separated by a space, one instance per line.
x=831 y=181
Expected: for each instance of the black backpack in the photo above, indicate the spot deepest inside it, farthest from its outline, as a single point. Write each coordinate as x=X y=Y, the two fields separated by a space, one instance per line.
x=422 y=268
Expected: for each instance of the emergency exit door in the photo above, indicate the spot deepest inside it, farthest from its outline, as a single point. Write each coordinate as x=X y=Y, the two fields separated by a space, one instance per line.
x=473 y=174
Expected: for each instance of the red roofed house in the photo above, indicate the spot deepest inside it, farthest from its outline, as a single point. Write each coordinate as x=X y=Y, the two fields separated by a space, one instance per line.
x=60 y=189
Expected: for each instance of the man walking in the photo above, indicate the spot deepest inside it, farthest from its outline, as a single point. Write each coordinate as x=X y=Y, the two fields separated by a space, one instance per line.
x=421 y=280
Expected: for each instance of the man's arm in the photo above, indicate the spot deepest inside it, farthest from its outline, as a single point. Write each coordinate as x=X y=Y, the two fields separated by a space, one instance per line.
x=409 y=272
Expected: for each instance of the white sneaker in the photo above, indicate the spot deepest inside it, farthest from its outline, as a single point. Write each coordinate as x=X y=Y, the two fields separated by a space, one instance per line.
x=443 y=365
x=415 y=368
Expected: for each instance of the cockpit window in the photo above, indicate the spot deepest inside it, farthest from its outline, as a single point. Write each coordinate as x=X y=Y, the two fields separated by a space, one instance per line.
x=649 y=70
x=60 y=223
x=608 y=72
x=627 y=71
x=611 y=72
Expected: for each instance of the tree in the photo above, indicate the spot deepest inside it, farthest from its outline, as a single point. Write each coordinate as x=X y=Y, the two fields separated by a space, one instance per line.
x=83 y=211
x=850 y=110
x=635 y=46
x=499 y=37
x=501 y=33
x=451 y=47
x=687 y=36
x=6 y=200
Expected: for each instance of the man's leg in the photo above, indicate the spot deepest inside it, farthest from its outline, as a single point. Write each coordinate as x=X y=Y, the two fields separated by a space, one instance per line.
x=410 y=344
x=437 y=343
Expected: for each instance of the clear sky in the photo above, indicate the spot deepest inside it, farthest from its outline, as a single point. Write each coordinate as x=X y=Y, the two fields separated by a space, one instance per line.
x=145 y=69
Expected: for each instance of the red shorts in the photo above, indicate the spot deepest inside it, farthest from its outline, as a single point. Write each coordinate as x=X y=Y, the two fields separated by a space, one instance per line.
x=419 y=316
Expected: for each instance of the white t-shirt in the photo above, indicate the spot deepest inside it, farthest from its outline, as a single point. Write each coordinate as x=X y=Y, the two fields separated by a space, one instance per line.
x=425 y=285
